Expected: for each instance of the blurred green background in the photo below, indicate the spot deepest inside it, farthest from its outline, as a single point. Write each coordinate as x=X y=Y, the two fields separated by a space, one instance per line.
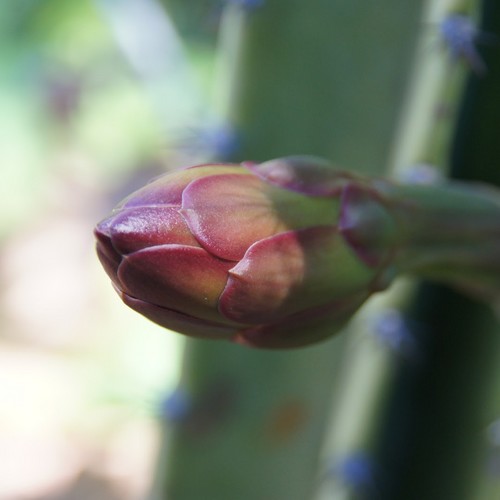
x=90 y=108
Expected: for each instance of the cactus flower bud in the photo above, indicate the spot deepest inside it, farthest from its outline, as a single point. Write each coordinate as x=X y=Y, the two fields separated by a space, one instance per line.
x=251 y=253
x=283 y=253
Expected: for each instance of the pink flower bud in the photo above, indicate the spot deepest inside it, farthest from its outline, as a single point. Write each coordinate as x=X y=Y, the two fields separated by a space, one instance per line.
x=251 y=253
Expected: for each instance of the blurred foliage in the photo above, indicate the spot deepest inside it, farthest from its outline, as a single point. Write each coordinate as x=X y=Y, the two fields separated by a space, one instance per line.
x=67 y=90
x=73 y=109
x=78 y=131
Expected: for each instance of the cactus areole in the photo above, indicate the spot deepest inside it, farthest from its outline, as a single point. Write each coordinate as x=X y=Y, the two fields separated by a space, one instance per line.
x=269 y=255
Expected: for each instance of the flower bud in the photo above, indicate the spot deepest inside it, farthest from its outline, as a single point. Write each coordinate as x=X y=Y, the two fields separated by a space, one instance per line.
x=270 y=255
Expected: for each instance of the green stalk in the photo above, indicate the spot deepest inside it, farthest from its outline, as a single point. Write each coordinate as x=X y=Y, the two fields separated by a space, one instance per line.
x=438 y=408
x=296 y=81
x=460 y=391
x=375 y=348
x=434 y=441
x=254 y=426
x=372 y=423
x=437 y=83
x=331 y=86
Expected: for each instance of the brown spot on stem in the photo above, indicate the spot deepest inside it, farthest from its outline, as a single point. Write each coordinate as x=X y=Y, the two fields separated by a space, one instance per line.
x=286 y=421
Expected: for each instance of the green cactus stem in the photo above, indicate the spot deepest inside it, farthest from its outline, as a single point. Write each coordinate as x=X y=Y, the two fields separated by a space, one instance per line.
x=454 y=447
x=437 y=410
x=475 y=154
x=295 y=77
x=438 y=78
x=386 y=350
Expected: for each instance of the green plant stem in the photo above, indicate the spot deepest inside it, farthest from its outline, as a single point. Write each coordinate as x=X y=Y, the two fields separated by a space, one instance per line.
x=372 y=417
x=296 y=82
x=350 y=61
x=475 y=156
x=255 y=427
x=368 y=372
x=439 y=407
x=444 y=409
x=437 y=83
x=449 y=232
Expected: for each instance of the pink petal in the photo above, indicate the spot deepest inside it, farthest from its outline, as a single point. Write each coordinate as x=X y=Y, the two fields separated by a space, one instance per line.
x=304 y=174
x=167 y=189
x=292 y=272
x=141 y=227
x=305 y=328
x=179 y=322
x=186 y=279
x=228 y=213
